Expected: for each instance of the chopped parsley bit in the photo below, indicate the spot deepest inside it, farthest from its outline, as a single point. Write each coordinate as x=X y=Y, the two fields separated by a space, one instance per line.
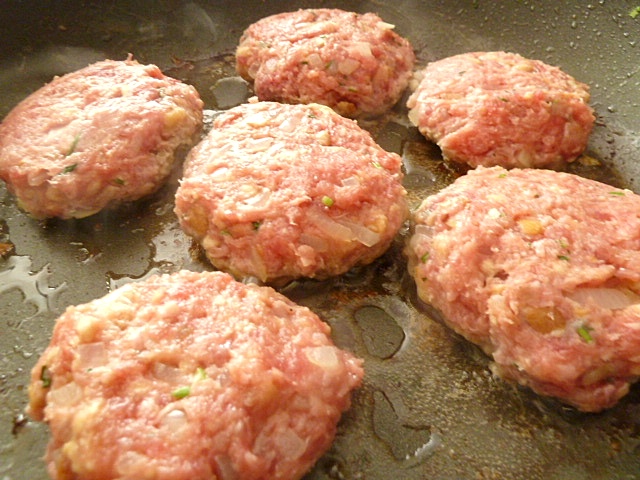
x=635 y=12
x=69 y=168
x=376 y=164
x=256 y=225
x=45 y=377
x=617 y=193
x=502 y=175
x=502 y=99
x=585 y=333
x=73 y=146
x=311 y=115
x=181 y=392
x=327 y=201
x=563 y=244
x=563 y=257
x=424 y=257
x=201 y=373
x=118 y=181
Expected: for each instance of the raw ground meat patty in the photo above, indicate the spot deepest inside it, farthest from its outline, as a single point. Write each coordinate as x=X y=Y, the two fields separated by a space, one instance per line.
x=542 y=269
x=354 y=63
x=102 y=135
x=498 y=108
x=279 y=191
x=190 y=376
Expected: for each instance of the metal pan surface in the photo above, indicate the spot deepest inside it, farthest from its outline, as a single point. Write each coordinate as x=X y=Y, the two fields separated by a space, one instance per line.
x=429 y=407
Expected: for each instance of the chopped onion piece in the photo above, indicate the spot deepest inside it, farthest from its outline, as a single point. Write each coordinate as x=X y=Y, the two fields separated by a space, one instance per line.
x=92 y=355
x=290 y=445
x=348 y=66
x=386 y=26
x=352 y=181
x=315 y=242
x=361 y=49
x=315 y=61
x=174 y=420
x=424 y=231
x=259 y=145
x=324 y=356
x=66 y=396
x=256 y=202
x=168 y=373
x=364 y=235
x=609 y=298
x=330 y=227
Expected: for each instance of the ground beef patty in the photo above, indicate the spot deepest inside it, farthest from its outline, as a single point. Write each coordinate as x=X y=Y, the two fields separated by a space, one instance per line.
x=102 y=135
x=542 y=269
x=190 y=376
x=354 y=63
x=497 y=108
x=279 y=191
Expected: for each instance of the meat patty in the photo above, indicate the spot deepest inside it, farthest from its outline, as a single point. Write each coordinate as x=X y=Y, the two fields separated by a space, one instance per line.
x=278 y=192
x=99 y=136
x=190 y=376
x=542 y=269
x=498 y=108
x=354 y=63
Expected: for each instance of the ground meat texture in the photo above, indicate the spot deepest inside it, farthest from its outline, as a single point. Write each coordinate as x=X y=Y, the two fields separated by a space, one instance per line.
x=190 y=376
x=96 y=137
x=354 y=63
x=542 y=269
x=279 y=191
x=500 y=109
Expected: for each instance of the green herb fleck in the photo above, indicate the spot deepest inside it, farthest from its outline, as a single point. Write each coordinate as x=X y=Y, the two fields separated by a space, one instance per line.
x=181 y=392
x=376 y=164
x=327 y=201
x=225 y=232
x=201 y=373
x=563 y=244
x=502 y=175
x=563 y=257
x=256 y=225
x=118 y=181
x=617 y=193
x=45 y=377
x=311 y=115
x=73 y=146
x=69 y=168
x=635 y=12
x=425 y=257
x=585 y=333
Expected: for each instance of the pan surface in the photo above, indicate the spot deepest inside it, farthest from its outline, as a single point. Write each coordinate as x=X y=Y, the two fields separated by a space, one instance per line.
x=429 y=407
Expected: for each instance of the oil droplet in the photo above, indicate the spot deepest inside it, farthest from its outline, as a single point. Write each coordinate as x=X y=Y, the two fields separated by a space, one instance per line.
x=34 y=286
x=230 y=92
x=381 y=334
x=409 y=444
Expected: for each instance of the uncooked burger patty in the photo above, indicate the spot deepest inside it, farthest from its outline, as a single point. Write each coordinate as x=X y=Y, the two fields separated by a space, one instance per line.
x=498 y=108
x=354 y=63
x=99 y=136
x=542 y=269
x=279 y=191
x=190 y=376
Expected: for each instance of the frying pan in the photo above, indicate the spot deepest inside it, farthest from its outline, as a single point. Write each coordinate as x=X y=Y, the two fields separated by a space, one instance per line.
x=429 y=408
